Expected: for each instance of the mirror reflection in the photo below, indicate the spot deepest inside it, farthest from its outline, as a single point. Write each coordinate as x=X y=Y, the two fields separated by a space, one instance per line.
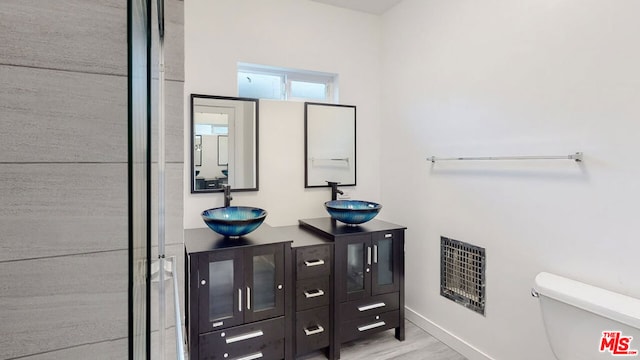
x=224 y=140
x=330 y=144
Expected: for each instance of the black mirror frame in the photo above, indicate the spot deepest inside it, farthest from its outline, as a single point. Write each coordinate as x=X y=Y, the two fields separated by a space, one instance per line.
x=306 y=145
x=192 y=141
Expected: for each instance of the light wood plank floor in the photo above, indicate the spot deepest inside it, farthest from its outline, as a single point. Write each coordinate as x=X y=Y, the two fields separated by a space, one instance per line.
x=418 y=345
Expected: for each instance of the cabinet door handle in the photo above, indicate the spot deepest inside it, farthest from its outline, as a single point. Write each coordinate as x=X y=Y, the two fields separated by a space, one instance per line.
x=257 y=355
x=371 y=326
x=310 y=263
x=315 y=293
x=318 y=330
x=372 y=306
x=248 y=298
x=243 y=337
x=375 y=254
x=240 y=300
x=369 y=255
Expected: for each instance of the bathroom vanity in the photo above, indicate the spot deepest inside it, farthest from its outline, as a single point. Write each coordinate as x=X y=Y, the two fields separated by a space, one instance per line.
x=368 y=277
x=237 y=295
x=282 y=292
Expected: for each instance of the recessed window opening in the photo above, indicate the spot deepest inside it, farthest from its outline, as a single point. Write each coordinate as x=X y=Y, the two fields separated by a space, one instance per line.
x=269 y=82
x=211 y=129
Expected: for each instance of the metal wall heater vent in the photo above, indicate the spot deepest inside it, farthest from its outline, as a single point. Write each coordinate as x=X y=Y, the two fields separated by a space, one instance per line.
x=462 y=277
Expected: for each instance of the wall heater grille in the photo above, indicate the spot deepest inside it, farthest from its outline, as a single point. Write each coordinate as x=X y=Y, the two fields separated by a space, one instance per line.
x=462 y=273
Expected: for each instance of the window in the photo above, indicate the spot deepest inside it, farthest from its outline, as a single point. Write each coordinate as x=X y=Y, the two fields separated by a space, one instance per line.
x=211 y=129
x=267 y=82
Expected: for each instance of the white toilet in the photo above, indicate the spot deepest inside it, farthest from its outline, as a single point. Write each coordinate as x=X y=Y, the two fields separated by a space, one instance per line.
x=576 y=315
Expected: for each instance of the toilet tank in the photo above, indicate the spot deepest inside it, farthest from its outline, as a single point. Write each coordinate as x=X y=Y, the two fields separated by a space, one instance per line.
x=585 y=322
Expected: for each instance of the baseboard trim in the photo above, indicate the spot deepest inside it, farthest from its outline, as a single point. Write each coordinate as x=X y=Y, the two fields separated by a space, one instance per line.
x=451 y=340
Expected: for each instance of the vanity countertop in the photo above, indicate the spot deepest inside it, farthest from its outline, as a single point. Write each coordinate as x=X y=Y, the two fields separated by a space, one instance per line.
x=204 y=239
x=329 y=227
x=309 y=232
x=301 y=236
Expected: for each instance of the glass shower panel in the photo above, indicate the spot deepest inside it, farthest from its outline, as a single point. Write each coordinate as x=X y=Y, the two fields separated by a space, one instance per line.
x=355 y=267
x=384 y=259
x=139 y=181
x=220 y=289
x=264 y=282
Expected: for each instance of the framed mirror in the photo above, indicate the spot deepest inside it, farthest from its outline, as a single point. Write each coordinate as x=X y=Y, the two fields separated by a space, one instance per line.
x=330 y=144
x=224 y=143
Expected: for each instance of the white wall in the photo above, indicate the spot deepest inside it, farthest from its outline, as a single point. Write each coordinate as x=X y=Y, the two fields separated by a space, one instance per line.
x=287 y=33
x=531 y=77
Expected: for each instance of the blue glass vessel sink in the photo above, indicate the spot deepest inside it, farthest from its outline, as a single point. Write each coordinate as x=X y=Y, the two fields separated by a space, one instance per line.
x=352 y=212
x=234 y=221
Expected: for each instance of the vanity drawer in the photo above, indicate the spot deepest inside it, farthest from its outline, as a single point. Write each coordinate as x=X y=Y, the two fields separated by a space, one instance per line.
x=354 y=329
x=312 y=293
x=265 y=337
x=273 y=350
x=370 y=306
x=313 y=261
x=312 y=330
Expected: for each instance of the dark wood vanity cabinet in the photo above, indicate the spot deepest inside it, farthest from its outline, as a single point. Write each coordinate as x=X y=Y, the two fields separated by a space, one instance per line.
x=280 y=293
x=369 y=278
x=368 y=265
x=314 y=289
x=237 y=296
x=240 y=285
x=369 y=275
x=312 y=264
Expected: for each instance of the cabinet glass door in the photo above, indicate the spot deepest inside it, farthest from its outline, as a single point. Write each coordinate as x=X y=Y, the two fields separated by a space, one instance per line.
x=221 y=289
x=265 y=282
x=387 y=253
x=220 y=285
x=354 y=267
x=383 y=257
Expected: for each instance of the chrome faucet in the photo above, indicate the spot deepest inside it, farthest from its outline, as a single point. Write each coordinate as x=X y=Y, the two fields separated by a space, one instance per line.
x=334 y=190
x=227 y=195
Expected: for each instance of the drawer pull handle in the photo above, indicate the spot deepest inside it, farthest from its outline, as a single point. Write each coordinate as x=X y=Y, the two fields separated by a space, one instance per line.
x=318 y=330
x=257 y=355
x=243 y=337
x=372 y=306
x=371 y=326
x=313 y=294
x=313 y=262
